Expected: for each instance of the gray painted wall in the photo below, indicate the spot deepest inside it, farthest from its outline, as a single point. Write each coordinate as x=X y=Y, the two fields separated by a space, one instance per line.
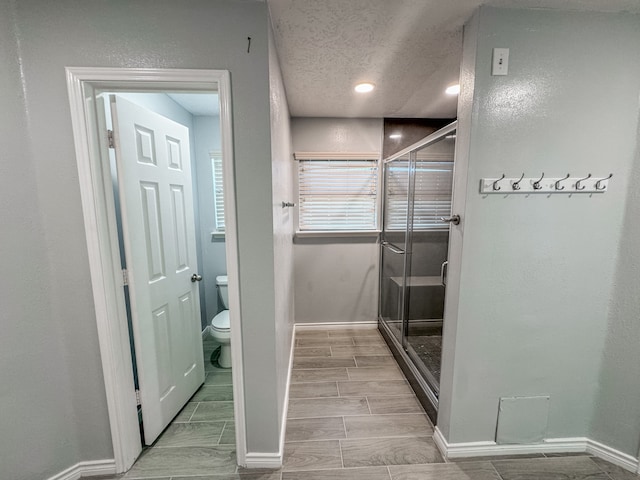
x=538 y=275
x=282 y=167
x=336 y=278
x=53 y=395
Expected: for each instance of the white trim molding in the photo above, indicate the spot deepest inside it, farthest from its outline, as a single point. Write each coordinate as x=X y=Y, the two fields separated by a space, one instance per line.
x=263 y=460
x=98 y=208
x=549 y=445
x=372 y=325
x=92 y=468
x=336 y=155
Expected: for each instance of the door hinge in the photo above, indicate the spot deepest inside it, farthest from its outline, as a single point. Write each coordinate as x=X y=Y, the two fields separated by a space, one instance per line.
x=110 y=139
x=125 y=277
x=138 y=398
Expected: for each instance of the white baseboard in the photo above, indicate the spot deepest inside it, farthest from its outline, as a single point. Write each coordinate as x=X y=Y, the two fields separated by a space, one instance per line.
x=338 y=325
x=550 y=445
x=623 y=460
x=87 y=469
x=263 y=460
x=285 y=407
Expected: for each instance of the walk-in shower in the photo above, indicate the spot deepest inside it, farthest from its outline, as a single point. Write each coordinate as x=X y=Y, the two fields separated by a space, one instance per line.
x=413 y=257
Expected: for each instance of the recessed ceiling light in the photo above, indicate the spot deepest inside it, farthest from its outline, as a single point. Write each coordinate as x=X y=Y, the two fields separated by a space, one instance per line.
x=395 y=136
x=364 y=87
x=453 y=90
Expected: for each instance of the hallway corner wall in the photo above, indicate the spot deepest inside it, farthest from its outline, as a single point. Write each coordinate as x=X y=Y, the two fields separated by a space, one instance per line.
x=537 y=276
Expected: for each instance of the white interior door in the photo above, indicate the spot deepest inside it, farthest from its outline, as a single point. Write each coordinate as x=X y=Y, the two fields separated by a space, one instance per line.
x=154 y=175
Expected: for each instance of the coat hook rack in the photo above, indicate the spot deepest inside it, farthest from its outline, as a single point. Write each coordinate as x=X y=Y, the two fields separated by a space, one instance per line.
x=599 y=186
x=536 y=184
x=516 y=185
x=561 y=180
x=582 y=187
x=495 y=184
x=543 y=184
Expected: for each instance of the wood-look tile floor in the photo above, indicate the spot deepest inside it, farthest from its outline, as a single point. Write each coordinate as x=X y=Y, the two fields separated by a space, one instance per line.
x=352 y=416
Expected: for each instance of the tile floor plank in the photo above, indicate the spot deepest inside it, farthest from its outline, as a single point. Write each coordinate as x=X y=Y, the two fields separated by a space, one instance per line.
x=445 y=471
x=388 y=404
x=274 y=475
x=323 y=428
x=323 y=362
x=311 y=352
x=228 y=436
x=366 y=388
x=375 y=361
x=346 y=350
x=377 y=426
x=319 y=375
x=213 y=411
x=200 y=434
x=354 y=332
x=389 y=451
x=369 y=341
x=614 y=471
x=160 y=462
x=218 y=377
x=324 y=342
x=312 y=455
x=319 y=333
x=367 y=473
x=327 y=407
x=213 y=393
x=313 y=390
x=569 y=468
x=186 y=412
x=375 y=373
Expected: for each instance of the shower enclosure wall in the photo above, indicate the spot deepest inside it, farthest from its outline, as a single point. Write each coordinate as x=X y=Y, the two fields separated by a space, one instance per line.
x=413 y=258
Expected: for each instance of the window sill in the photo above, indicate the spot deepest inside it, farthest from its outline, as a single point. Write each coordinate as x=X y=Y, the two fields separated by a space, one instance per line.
x=336 y=233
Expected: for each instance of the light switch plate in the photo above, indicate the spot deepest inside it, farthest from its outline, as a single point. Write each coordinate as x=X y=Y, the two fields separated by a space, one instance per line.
x=500 y=65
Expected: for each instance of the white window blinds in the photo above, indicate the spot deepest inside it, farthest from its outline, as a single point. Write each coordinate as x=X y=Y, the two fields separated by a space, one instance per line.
x=218 y=190
x=432 y=198
x=336 y=194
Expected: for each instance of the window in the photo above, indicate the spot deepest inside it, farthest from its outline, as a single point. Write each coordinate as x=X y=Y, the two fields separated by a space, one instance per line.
x=337 y=192
x=218 y=190
x=432 y=198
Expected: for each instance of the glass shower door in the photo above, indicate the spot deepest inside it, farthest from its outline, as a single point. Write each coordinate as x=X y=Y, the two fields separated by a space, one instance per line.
x=414 y=249
x=394 y=240
x=428 y=242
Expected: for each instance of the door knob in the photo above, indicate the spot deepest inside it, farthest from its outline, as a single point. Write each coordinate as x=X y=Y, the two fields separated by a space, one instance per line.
x=196 y=278
x=455 y=219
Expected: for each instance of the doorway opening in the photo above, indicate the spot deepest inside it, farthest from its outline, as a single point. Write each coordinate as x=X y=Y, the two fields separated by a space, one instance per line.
x=159 y=211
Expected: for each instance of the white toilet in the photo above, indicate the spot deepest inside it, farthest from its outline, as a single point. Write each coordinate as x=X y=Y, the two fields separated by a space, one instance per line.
x=220 y=327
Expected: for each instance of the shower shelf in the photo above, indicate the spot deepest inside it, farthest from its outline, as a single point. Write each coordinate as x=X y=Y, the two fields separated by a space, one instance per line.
x=419 y=281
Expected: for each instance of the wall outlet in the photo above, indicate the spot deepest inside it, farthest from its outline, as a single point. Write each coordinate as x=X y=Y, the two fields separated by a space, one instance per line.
x=500 y=65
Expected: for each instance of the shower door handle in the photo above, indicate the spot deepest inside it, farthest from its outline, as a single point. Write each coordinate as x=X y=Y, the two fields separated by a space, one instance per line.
x=392 y=247
x=455 y=219
x=443 y=272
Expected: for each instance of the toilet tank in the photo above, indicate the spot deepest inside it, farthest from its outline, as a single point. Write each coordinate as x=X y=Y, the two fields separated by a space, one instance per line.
x=221 y=282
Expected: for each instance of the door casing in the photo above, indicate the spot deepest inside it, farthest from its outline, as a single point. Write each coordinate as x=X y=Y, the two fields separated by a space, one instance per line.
x=99 y=214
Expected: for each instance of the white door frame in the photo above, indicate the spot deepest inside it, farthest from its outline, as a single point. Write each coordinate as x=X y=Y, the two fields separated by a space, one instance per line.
x=99 y=213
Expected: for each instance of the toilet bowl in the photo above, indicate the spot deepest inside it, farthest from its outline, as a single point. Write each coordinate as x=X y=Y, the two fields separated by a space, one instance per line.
x=220 y=325
x=221 y=333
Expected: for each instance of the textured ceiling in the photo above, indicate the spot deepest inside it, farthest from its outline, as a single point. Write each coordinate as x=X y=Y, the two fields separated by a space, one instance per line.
x=410 y=49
